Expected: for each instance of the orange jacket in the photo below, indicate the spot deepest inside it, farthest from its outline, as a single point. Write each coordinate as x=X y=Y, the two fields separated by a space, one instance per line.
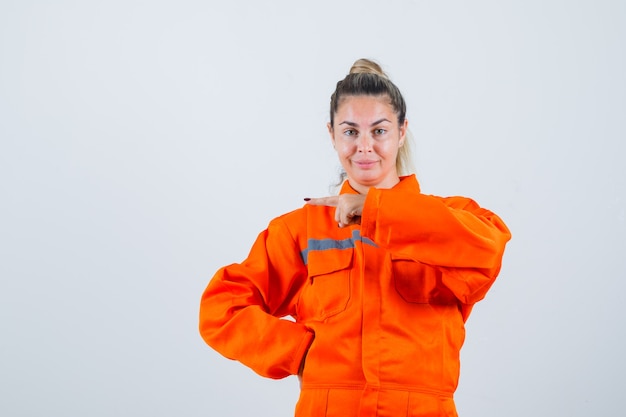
x=379 y=308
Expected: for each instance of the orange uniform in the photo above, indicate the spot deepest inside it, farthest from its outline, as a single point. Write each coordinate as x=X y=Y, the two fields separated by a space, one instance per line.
x=379 y=307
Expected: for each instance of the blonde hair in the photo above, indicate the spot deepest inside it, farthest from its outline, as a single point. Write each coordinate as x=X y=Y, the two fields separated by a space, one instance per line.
x=366 y=77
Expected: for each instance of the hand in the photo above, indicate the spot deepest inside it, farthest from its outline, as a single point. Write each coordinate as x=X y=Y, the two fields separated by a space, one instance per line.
x=348 y=207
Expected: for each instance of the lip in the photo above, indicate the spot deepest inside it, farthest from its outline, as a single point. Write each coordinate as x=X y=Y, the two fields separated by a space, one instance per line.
x=365 y=164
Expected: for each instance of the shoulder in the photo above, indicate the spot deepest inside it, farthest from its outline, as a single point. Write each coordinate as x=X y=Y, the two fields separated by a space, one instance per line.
x=458 y=202
x=292 y=218
x=306 y=222
x=299 y=222
x=410 y=184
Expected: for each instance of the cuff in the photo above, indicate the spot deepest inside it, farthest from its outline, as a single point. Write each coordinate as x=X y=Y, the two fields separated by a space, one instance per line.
x=301 y=352
x=369 y=216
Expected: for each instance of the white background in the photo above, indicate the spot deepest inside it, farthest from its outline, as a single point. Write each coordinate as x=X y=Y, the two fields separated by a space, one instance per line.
x=144 y=144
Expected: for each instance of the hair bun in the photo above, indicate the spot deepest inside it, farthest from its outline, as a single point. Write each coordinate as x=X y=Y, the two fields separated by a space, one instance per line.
x=367 y=66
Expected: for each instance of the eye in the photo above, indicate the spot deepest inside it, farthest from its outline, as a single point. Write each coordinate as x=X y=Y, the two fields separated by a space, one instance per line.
x=380 y=131
x=349 y=132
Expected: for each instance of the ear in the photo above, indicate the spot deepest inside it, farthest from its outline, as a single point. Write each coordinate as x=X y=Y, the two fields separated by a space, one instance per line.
x=331 y=132
x=403 y=130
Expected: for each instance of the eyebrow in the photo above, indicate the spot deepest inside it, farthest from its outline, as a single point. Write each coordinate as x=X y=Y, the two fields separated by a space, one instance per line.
x=346 y=122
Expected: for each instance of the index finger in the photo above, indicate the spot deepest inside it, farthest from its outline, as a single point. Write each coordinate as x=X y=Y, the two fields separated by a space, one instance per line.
x=331 y=201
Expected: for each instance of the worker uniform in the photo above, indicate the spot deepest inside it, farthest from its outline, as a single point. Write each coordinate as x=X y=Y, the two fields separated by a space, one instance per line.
x=374 y=312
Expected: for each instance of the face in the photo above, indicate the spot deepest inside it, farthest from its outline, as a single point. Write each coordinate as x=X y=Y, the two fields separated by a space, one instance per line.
x=367 y=138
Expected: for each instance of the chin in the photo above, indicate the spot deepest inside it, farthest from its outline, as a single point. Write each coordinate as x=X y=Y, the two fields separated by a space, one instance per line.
x=365 y=180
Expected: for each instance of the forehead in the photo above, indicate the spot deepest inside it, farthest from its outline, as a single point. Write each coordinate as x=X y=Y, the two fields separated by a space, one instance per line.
x=365 y=108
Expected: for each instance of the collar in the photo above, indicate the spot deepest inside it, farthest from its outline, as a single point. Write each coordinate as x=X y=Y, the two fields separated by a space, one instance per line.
x=406 y=182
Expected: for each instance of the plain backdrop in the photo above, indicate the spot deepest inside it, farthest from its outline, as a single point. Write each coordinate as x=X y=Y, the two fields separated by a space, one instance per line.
x=144 y=144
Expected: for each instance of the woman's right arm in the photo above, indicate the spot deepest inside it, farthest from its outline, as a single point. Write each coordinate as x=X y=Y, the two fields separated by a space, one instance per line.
x=241 y=308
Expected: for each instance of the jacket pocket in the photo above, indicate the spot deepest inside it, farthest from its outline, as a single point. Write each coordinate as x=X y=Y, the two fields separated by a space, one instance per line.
x=419 y=283
x=427 y=405
x=327 y=291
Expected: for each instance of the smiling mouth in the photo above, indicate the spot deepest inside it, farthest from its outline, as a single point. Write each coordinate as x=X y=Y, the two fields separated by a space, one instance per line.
x=364 y=164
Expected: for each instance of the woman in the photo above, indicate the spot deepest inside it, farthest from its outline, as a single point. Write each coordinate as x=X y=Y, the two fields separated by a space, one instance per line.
x=379 y=279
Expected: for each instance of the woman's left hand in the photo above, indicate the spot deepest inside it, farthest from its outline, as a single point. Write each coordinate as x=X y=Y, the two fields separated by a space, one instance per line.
x=348 y=207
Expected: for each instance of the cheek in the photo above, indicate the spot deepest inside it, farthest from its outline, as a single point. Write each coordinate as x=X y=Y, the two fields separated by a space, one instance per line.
x=386 y=150
x=345 y=149
x=393 y=147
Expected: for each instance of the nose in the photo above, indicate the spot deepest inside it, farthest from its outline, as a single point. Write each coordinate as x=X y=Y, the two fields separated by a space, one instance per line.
x=364 y=143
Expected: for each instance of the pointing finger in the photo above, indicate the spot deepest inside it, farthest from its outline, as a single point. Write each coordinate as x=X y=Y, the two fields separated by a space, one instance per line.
x=323 y=201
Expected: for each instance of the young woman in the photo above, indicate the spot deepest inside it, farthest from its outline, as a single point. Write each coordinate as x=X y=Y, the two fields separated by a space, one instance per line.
x=380 y=279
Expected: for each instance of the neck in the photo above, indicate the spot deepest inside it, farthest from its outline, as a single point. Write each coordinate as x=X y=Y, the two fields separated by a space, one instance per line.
x=363 y=188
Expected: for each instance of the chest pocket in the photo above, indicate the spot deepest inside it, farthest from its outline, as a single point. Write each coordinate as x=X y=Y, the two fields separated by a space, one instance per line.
x=419 y=283
x=327 y=291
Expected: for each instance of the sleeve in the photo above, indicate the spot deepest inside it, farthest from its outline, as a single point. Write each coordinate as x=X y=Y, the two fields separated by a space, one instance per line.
x=456 y=236
x=241 y=308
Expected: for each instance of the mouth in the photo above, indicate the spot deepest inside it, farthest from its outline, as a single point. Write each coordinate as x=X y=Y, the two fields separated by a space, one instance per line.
x=365 y=164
